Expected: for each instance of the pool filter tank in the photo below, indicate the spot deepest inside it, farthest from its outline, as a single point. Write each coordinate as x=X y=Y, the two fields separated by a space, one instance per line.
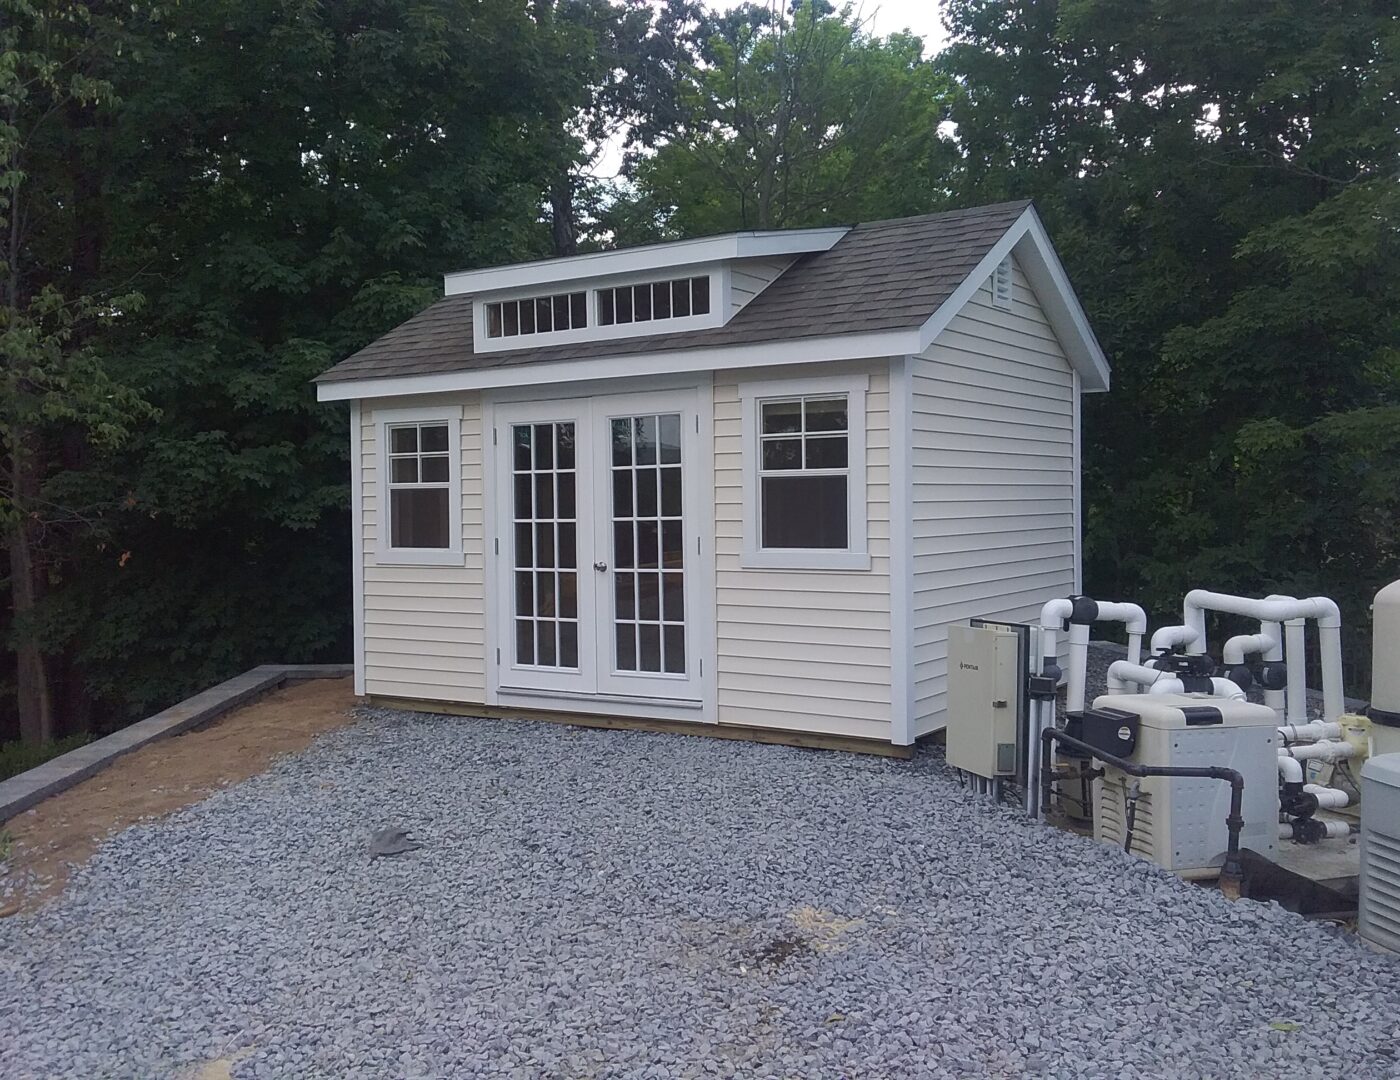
x=1385 y=671
x=1179 y=822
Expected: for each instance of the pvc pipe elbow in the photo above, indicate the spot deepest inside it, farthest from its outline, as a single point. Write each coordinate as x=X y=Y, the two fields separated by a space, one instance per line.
x=1327 y=798
x=1131 y=616
x=1055 y=612
x=1237 y=648
x=1165 y=638
x=1290 y=771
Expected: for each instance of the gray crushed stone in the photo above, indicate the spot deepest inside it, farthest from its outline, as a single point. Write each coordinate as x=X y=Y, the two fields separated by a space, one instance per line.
x=615 y=904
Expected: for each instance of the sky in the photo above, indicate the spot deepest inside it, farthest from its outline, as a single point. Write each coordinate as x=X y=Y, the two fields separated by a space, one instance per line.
x=887 y=16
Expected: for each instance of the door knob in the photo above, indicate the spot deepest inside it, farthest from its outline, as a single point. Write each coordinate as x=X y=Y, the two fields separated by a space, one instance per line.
x=600 y=566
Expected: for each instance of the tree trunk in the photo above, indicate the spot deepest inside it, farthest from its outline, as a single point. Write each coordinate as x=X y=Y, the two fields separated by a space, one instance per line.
x=561 y=202
x=31 y=674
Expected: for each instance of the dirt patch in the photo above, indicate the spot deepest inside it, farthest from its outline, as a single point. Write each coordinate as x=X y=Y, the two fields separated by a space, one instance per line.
x=66 y=828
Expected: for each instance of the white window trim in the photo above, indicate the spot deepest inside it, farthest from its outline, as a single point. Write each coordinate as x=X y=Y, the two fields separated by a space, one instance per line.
x=384 y=553
x=857 y=555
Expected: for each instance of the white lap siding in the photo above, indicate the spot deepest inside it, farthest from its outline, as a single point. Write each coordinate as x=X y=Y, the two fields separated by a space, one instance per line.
x=749 y=277
x=992 y=473
x=424 y=626
x=805 y=650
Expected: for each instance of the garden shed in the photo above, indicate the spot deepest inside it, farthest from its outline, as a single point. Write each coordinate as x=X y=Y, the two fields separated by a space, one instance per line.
x=744 y=481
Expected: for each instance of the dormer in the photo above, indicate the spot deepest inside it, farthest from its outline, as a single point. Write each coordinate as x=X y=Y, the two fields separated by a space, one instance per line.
x=659 y=289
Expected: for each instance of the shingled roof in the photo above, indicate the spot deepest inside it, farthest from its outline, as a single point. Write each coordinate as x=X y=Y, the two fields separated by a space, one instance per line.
x=883 y=275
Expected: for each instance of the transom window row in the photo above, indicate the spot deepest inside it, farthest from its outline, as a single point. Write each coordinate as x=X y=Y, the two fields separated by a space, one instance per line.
x=654 y=300
x=537 y=315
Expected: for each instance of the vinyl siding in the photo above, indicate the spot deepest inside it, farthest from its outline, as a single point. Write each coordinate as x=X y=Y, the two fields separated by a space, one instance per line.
x=805 y=650
x=749 y=277
x=424 y=626
x=992 y=475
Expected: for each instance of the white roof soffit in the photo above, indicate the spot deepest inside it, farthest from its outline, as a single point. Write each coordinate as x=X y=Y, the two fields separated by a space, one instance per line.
x=1030 y=243
x=744 y=245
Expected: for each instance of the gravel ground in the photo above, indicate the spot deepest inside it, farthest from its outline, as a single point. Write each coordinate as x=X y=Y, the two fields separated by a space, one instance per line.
x=616 y=904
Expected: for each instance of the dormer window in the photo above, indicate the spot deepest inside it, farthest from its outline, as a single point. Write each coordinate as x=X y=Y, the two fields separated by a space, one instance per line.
x=655 y=300
x=537 y=315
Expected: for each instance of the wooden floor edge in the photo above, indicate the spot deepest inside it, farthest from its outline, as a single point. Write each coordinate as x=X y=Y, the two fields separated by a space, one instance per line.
x=775 y=736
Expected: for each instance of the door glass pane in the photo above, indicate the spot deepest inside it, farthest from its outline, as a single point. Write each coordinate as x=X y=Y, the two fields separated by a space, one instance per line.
x=673 y=638
x=546 y=551
x=648 y=538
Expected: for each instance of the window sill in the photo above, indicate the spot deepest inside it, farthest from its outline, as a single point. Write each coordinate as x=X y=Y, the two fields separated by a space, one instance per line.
x=805 y=560
x=418 y=557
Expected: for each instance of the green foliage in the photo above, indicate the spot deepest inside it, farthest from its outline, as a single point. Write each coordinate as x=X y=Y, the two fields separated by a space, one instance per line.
x=17 y=757
x=782 y=121
x=1222 y=181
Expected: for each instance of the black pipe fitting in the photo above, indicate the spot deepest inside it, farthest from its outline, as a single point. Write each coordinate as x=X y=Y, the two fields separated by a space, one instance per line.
x=1232 y=872
x=1085 y=611
x=1273 y=675
x=1241 y=676
x=1309 y=830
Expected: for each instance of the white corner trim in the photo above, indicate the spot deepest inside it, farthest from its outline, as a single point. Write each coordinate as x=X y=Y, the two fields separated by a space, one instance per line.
x=725 y=358
x=1078 y=414
x=357 y=545
x=745 y=245
x=1029 y=241
x=384 y=553
x=901 y=553
x=857 y=555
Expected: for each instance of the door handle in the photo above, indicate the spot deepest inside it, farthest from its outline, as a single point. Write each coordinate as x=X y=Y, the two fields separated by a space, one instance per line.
x=601 y=567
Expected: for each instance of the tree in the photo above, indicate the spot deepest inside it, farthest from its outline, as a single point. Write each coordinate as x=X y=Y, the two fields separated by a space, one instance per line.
x=779 y=120
x=1221 y=180
x=57 y=397
x=283 y=182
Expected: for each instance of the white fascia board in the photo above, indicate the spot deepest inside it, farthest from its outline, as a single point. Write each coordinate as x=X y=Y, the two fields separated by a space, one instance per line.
x=1030 y=243
x=745 y=245
x=729 y=357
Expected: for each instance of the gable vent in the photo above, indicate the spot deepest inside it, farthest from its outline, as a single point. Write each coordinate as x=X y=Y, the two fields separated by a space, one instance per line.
x=1001 y=283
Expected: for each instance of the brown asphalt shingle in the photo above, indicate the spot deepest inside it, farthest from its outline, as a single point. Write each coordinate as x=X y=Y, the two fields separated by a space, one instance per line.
x=884 y=275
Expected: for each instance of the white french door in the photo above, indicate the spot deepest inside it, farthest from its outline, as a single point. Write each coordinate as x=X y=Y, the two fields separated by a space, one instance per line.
x=597 y=522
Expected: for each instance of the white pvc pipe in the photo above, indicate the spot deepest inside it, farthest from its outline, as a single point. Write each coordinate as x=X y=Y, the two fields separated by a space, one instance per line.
x=1166 y=638
x=1123 y=675
x=1052 y=616
x=1329 y=637
x=1290 y=770
x=1274 y=699
x=1312 y=732
x=1327 y=798
x=1078 y=665
x=1321 y=751
x=1237 y=648
x=1041 y=714
x=1293 y=630
x=1134 y=621
x=1329 y=624
x=1336 y=830
x=1221 y=688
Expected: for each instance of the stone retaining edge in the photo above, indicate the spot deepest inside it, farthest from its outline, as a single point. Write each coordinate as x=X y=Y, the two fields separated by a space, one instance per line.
x=24 y=790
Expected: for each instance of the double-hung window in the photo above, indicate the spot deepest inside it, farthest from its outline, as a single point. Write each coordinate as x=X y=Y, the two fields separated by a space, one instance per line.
x=804 y=474
x=420 y=489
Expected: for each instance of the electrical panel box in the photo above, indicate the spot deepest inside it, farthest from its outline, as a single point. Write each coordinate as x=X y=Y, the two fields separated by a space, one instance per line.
x=986 y=688
x=1179 y=822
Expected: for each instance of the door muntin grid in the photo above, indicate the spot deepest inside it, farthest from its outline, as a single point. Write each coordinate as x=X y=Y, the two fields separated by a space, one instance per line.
x=648 y=549
x=545 y=520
